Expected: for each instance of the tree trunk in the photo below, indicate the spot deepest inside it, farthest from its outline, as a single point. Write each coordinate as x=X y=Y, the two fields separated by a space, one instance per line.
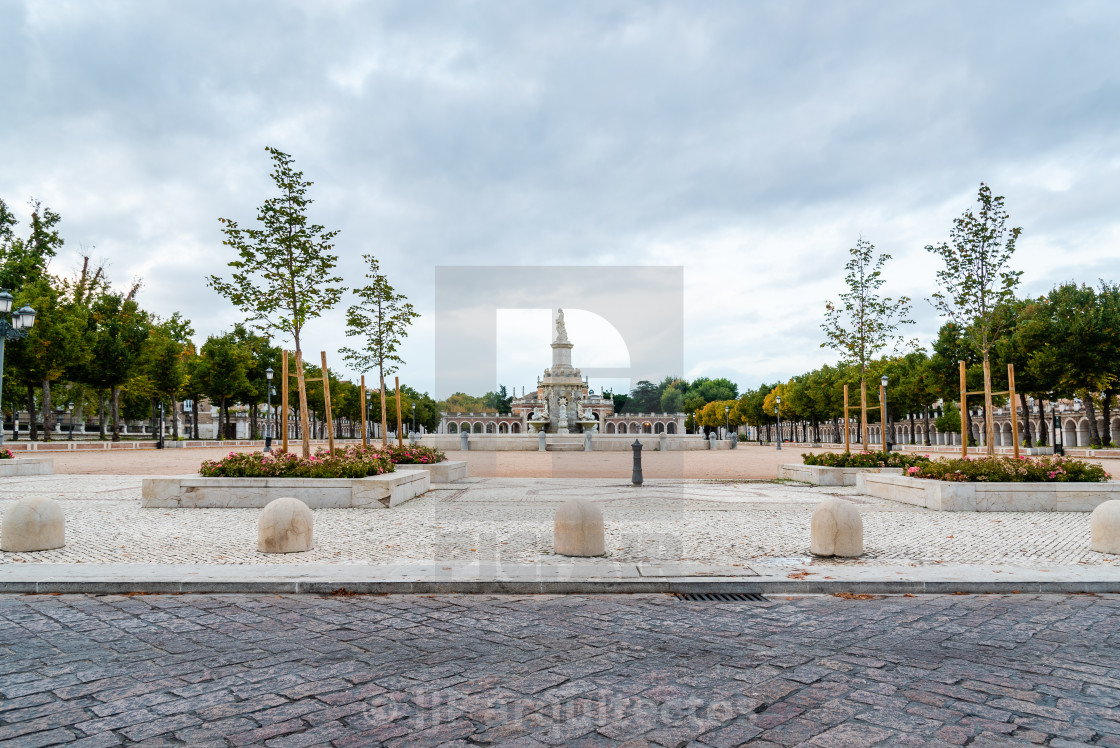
x=306 y=435
x=925 y=425
x=116 y=412
x=384 y=411
x=174 y=419
x=32 y=425
x=1091 y=411
x=194 y=418
x=253 y=420
x=48 y=416
x=1041 y=422
x=1027 y=440
x=966 y=425
x=101 y=415
x=1106 y=414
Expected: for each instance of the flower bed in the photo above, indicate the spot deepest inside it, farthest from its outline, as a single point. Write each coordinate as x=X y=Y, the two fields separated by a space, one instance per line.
x=6 y=454
x=1046 y=469
x=864 y=459
x=342 y=463
x=408 y=454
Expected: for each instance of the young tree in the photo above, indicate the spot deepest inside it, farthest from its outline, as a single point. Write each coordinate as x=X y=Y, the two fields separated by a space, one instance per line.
x=284 y=272
x=976 y=281
x=381 y=317
x=864 y=322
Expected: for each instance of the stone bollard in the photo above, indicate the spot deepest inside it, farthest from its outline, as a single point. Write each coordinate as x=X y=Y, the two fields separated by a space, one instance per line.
x=463 y=444
x=636 y=478
x=662 y=440
x=542 y=444
x=285 y=526
x=1104 y=527
x=712 y=440
x=587 y=441
x=735 y=441
x=836 y=530
x=578 y=529
x=33 y=524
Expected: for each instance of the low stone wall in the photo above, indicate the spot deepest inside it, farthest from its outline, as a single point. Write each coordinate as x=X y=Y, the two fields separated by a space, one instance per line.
x=948 y=496
x=565 y=442
x=821 y=475
x=447 y=471
x=26 y=466
x=192 y=491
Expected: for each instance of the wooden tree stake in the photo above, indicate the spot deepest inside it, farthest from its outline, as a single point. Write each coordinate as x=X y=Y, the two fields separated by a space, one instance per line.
x=327 y=403
x=365 y=436
x=863 y=412
x=847 y=435
x=400 y=436
x=964 y=409
x=284 y=399
x=989 y=417
x=1014 y=409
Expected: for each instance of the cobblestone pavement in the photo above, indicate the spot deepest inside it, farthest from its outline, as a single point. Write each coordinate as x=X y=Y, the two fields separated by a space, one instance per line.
x=510 y=520
x=288 y=671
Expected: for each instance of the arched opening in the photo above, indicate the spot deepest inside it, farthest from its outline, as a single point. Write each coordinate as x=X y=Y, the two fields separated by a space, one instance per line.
x=1069 y=434
x=516 y=428
x=635 y=428
x=659 y=428
x=452 y=428
x=610 y=428
x=647 y=428
x=1083 y=433
x=490 y=427
x=622 y=428
x=671 y=428
x=477 y=428
x=503 y=428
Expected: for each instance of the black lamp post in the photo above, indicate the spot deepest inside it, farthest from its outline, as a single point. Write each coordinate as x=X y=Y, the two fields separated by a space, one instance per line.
x=1059 y=444
x=160 y=445
x=778 y=414
x=414 y=418
x=726 y=419
x=70 y=410
x=268 y=374
x=23 y=319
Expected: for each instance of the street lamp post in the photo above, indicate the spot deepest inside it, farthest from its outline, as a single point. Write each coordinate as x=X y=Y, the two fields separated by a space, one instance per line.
x=23 y=319
x=268 y=374
x=884 y=413
x=778 y=413
x=70 y=409
x=160 y=425
x=726 y=419
x=414 y=418
x=1059 y=446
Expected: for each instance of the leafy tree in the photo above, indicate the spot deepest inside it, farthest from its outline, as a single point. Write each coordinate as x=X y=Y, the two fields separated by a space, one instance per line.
x=672 y=400
x=118 y=329
x=977 y=280
x=382 y=317
x=224 y=364
x=284 y=272
x=499 y=402
x=461 y=402
x=864 y=322
x=710 y=390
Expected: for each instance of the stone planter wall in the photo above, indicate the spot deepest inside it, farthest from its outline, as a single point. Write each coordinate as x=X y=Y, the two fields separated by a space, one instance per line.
x=565 y=442
x=26 y=466
x=192 y=491
x=989 y=497
x=820 y=475
x=447 y=471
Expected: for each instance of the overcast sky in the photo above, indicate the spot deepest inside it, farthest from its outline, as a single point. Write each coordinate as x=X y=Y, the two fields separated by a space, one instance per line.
x=751 y=143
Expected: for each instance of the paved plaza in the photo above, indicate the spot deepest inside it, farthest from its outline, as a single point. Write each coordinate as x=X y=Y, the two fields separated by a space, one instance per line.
x=637 y=670
x=509 y=520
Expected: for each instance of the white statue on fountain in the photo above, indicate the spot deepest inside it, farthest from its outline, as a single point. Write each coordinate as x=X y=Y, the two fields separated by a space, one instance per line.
x=561 y=331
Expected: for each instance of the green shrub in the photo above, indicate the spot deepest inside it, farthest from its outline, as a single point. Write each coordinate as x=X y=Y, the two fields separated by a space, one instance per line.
x=864 y=459
x=323 y=464
x=1002 y=469
x=410 y=454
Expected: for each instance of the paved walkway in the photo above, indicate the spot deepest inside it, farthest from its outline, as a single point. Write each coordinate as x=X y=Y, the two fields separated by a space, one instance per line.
x=638 y=670
x=509 y=521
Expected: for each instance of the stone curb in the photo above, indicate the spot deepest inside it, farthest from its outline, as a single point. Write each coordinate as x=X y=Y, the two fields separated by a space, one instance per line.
x=564 y=587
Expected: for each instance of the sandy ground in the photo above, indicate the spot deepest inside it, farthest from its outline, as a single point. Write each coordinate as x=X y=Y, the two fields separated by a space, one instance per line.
x=746 y=462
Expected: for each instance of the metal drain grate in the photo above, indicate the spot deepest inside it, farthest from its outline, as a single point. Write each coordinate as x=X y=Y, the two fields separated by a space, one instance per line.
x=721 y=597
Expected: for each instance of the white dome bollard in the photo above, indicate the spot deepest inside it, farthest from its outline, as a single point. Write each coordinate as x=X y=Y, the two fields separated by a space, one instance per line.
x=578 y=529
x=836 y=530
x=285 y=526
x=33 y=524
x=1104 y=528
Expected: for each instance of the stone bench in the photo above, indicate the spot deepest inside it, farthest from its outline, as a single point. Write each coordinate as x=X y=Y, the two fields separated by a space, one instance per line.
x=447 y=471
x=822 y=475
x=18 y=466
x=192 y=491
